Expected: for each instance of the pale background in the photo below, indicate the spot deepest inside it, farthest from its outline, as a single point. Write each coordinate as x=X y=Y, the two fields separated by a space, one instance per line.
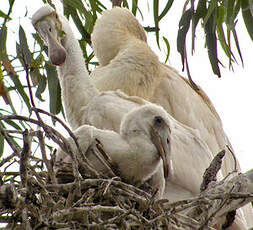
x=231 y=95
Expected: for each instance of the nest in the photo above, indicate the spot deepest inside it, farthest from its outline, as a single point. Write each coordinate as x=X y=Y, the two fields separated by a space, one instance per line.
x=37 y=197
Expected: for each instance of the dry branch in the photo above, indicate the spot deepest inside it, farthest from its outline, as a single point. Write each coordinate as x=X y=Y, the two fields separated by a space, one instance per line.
x=36 y=201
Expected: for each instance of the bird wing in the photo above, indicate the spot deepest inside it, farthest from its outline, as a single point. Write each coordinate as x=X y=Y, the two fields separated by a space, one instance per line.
x=194 y=109
x=106 y=110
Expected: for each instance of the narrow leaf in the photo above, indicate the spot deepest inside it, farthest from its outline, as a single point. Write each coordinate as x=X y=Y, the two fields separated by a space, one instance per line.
x=211 y=8
x=184 y=25
x=94 y=9
x=237 y=45
x=247 y=16
x=166 y=9
x=3 y=36
x=79 y=25
x=168 y=48
x=54 y=89
x=25 y=52
x=3 y=93
x=134 y=7
x=156 y=21
x=41 y=83
x=13 y=124
x=20 y=88
x=211 y=43
x=1 y=145
x=200 y=13
x=229 y=13
x=3 y=15
x=222 y=40
x=78 y=5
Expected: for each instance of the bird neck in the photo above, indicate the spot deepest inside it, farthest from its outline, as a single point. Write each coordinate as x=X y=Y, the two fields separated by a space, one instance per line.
x=77 y=88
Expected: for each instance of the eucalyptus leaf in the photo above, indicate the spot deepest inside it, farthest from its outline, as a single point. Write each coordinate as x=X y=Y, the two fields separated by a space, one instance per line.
x=211 y=43
x=20 y=88
x=166 y=9
x=3 y=37
x=24 y=49
x=156 y=21
x=54 y=89
x=134 y=7
x=168 y=48
x=184 y=25
x=247 y=16
x=1 y=145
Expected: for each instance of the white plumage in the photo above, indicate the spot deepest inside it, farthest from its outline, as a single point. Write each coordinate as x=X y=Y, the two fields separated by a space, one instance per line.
x=135 y=69
x=84 y=104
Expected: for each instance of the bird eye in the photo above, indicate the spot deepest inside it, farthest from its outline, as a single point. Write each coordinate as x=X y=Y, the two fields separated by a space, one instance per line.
x=50 y=29
x=158 y=120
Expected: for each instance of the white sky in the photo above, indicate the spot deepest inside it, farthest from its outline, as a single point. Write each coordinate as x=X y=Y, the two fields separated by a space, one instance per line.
x=232 y=95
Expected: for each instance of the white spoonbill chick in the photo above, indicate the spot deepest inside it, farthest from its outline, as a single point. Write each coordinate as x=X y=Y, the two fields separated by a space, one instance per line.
x=140 y=149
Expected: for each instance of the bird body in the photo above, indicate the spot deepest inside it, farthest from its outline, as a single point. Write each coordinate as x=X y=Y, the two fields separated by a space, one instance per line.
x=135 y=69
x=163 y=86
x=85 y=105
x=134 y=150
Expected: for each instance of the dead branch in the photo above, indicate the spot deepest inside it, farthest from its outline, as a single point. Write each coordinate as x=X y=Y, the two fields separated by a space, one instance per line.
x=34 y=200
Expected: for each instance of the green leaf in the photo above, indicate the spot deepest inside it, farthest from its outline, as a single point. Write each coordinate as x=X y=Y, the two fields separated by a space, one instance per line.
x=200 y=13
x=168 y=48
x=3 y=15
x=54 y=89
x=1 y=145
x=95 y=9
x=166 y=9
x=237 y=45
x=134 y=7
x=247 y=16
x=125 y=4
x=237 y=8
x=20 y=88
x=42 y=83
x=156 y=21
x=3 y=37
x=184 y=25
x=13 y=124
x=211 y=8
x=79 y=24
x=222 y=40
x=230 y=12
x=78 y=5
x=211 y=43
x=26 y=53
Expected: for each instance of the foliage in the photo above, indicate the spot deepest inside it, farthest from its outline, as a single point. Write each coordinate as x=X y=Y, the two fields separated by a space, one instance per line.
x=218 y=20
x=31 y=198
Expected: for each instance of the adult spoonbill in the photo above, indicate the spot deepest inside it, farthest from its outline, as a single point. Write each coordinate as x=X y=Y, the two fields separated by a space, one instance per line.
x=128 y=63
x=84 y=104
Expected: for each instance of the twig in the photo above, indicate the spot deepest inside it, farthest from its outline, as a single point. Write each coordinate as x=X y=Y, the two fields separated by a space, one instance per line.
x=26 y=151
x=44 y=156
x=71 y=134
x=56 y=137
x=14 y=147
x=235 y=161
x=211 y=172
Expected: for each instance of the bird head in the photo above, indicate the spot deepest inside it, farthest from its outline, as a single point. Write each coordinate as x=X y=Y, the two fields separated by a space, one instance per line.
x=48 y=25
x=152 y=121
x=112 y=31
